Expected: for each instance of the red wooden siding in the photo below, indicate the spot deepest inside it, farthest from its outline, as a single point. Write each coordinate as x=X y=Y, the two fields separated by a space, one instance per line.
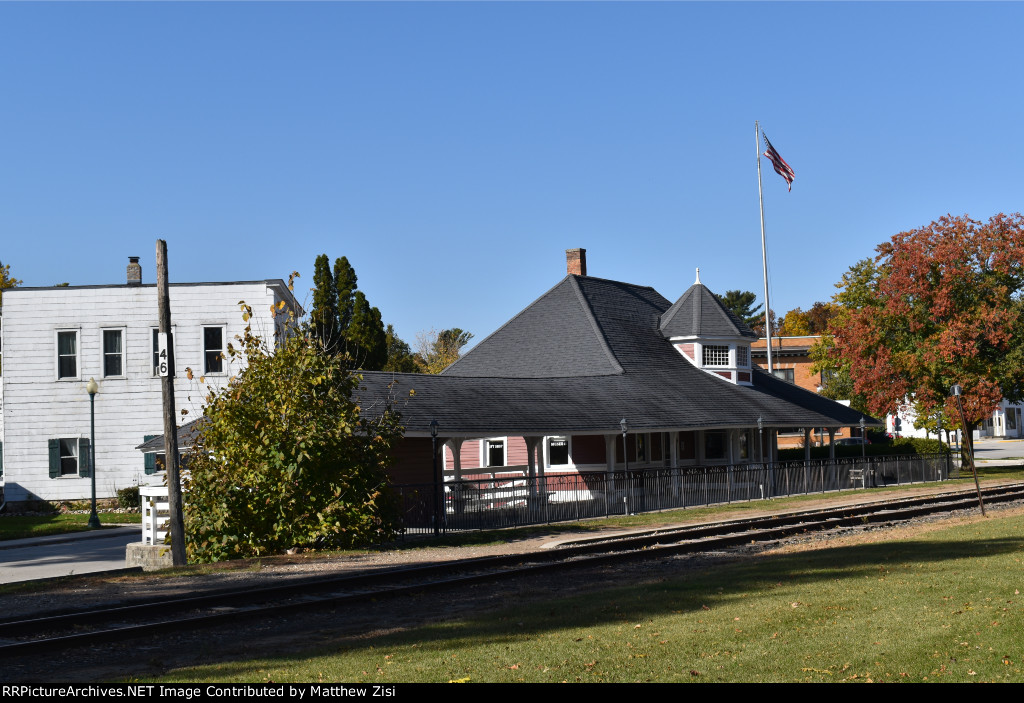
x=515 y=451
x=588 y=449
x=411 y=461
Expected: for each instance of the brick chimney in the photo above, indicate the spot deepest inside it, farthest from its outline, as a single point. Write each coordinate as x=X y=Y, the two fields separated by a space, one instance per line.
x=134 y=271
x=576 y=262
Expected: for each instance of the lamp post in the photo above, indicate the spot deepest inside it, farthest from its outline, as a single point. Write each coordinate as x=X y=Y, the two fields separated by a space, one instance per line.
x=92 y=388
x=863 y=437
x=437 y=482
x=956 y=390
x=625 y=455
x=760 y=438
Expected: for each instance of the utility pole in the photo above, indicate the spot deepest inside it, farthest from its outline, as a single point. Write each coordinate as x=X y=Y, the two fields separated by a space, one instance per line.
x=166 y=370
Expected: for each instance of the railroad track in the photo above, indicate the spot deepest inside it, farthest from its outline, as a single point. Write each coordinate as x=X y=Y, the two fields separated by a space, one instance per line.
x=55 y=632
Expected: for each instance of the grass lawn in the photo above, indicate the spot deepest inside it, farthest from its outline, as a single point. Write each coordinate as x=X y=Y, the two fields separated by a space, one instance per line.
x=942 y=603
x=21 y=526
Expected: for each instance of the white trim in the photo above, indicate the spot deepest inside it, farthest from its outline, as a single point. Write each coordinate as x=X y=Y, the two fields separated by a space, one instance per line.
x=103 y=351
x=547 y=451
x=78 y=353
x=223 y=350
x=485 y=452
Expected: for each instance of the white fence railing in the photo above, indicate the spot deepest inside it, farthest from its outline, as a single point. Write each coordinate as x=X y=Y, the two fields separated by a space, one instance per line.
x=156 y=513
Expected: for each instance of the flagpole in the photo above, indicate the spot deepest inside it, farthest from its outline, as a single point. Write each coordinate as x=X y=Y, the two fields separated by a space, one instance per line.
x=764 y=249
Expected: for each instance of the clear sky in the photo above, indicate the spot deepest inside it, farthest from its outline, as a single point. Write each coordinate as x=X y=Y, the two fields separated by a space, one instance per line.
x=453 y=151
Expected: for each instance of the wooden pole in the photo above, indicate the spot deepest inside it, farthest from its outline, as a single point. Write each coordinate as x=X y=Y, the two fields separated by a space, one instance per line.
x=177 y=527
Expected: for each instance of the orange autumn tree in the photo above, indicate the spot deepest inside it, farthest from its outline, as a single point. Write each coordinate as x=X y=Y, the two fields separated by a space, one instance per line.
x=939 y=305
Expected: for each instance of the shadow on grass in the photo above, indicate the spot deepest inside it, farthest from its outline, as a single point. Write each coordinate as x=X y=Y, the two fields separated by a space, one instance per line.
x=654 y=595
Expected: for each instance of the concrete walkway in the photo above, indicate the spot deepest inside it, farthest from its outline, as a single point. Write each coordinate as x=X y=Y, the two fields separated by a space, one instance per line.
x=63 y=555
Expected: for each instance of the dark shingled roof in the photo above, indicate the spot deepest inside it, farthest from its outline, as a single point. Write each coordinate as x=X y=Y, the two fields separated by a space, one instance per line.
x=566 y=333
x=581 y=357
x=699 y=313
x=584 y=355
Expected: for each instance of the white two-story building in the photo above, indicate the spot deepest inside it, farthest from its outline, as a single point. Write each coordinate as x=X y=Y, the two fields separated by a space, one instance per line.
x=55 y=339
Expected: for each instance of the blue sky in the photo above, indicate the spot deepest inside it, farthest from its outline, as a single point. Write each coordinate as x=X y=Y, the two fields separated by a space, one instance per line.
x=453 y=151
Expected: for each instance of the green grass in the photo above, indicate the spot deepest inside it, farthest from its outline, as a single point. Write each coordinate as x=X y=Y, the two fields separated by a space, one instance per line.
x=944 y=606
x=21 y=526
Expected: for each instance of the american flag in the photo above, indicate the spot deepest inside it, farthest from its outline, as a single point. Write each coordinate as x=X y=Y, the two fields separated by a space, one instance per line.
x=779 y=163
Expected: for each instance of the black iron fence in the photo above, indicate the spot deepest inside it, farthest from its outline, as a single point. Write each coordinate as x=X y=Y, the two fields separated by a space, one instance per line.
x=514 y=499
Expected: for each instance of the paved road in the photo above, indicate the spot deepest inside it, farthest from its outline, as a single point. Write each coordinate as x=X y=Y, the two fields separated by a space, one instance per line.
x=999 y=449
x=63 y=555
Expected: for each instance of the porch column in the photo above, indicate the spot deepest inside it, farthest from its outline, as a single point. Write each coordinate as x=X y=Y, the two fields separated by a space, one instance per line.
x=534 y=461
x=609 y=461
x=673 y=450
x=456 y=446
x=807 y=445
x=730 y=441
x=832 y=444
x=698 y=447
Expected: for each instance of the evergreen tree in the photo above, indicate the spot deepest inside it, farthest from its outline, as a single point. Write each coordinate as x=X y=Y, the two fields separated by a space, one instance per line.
x=739 y=303
x=365 y=339
x=324 y=317
x=400 y=357
x=345 y=282
x=343 y=320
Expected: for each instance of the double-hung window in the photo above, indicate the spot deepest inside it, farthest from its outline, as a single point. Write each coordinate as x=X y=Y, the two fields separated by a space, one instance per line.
x=67 y=354
x=213 y=349
x=113 y=353
x=69 y=457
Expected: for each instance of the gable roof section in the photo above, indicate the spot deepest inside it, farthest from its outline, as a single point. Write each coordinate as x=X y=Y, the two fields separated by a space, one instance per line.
x=582 y=327
x=699 y=313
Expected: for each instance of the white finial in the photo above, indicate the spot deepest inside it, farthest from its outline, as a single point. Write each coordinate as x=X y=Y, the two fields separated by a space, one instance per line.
x=698 y=276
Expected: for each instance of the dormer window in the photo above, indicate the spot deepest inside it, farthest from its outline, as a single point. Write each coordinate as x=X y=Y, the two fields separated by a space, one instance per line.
x=716 y=355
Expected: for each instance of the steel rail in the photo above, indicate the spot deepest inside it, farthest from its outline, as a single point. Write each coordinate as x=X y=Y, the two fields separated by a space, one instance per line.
x=227 y=605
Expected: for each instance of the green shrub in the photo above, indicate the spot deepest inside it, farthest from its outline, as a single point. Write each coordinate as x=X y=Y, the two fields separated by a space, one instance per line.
x=128 y=498
x=285 y=459
x=902 y=446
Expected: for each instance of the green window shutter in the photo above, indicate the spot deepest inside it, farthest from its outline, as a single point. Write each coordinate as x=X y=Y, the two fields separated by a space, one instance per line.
x=150 y=458
x=54 y=458
x=84 y=465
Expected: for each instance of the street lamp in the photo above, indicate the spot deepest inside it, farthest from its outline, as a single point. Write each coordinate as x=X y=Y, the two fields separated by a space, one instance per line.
x=863 y=436
x=437 y=481
x=760 y=438
x=625 y=455
x=92 y=388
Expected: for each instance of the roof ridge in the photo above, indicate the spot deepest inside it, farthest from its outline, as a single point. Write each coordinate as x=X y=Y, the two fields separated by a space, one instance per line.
x=522 y=312
x=589 y=310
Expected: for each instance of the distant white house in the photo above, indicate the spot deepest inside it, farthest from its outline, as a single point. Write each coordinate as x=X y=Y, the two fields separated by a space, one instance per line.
x=55 y=339
x=1004 y=422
